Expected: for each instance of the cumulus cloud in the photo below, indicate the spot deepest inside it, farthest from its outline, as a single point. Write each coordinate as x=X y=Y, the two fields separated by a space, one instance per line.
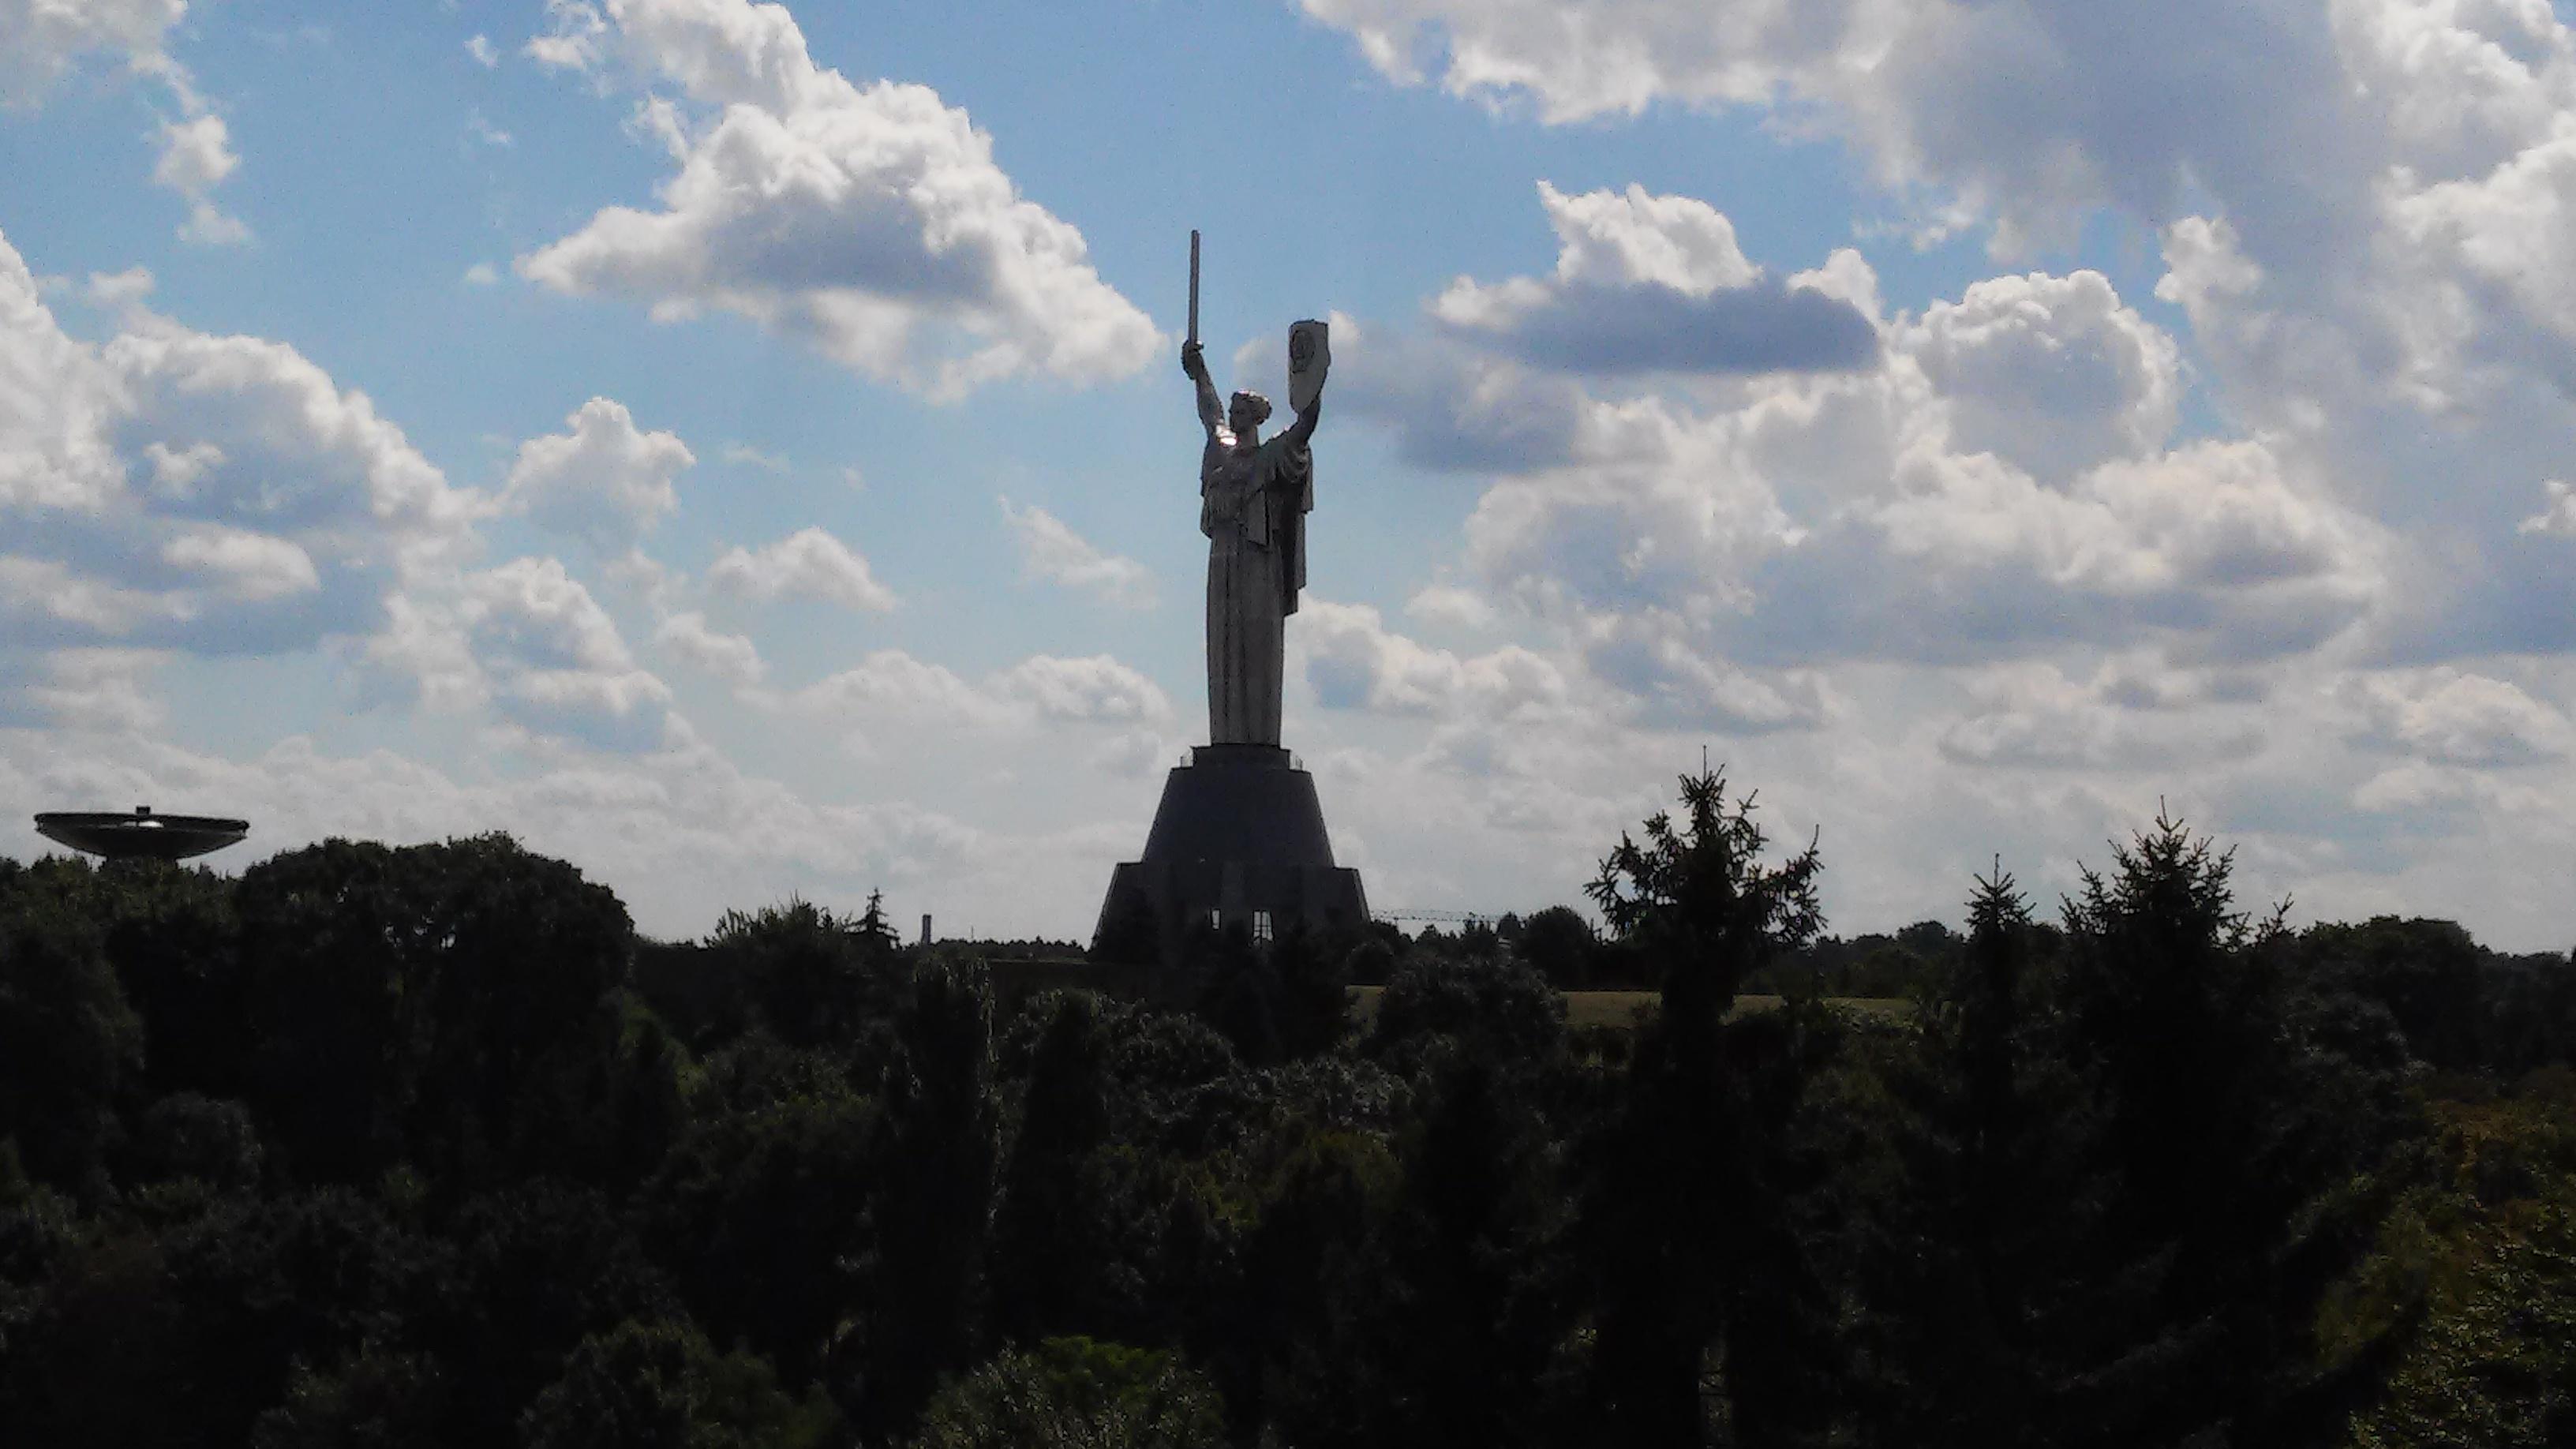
x=869 y=221
x=40 y=40
x=751 y=457
x=2053 y=374
x=1052 y=551
x=1353 y=661
x=1093 y=690
x=893 y=686
x=2451 y=717
x=1999 y=106
x=896 y=691
x=807 y=564
x=2557 y=514
x=92 y=691
x=1911 y=512
x=1452 y=407
x=2030 y=715
x=1648 y=283
x=730 y=657
x=554 y=661
x=170 y=489
x=480 y=47
x=196 y=155
x=604 y=480
x=2364 y=206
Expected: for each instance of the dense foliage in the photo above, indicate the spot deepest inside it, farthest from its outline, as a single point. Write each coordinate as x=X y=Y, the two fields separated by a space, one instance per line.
x=423 y=1146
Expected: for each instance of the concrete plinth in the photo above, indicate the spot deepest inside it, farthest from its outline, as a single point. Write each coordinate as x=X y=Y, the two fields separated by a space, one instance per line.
x=1239 y=833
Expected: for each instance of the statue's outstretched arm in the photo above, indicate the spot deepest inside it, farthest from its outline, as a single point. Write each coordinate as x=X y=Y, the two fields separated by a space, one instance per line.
x=1211 y=411
x=1304 y=428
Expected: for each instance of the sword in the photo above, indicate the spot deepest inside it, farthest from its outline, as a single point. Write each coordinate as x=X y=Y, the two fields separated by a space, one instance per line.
x=1194 y=284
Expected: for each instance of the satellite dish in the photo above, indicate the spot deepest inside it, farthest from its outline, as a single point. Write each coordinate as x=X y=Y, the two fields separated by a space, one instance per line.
x=141 y=835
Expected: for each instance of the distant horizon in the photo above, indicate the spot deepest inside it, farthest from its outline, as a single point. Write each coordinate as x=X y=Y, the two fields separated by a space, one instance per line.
x=742 y=449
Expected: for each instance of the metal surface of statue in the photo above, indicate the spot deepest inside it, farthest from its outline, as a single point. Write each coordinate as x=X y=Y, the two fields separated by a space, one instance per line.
x=1239 y=837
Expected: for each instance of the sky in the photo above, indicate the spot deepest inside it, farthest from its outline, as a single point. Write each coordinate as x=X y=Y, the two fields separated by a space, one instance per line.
x=741 y=449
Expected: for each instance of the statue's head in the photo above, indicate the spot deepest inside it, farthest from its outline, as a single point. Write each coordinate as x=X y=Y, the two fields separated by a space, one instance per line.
x=1247 y=410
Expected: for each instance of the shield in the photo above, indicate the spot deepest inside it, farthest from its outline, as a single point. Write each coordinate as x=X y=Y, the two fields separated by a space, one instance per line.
x=1310 y=356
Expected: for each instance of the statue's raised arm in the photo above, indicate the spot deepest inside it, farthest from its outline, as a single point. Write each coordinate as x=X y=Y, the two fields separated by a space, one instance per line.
x=1194 y=363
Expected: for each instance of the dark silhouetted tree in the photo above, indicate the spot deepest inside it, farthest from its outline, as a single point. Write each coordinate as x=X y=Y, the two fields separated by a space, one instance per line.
x=1073 y=1393
x=929 y=1217
x=1684 y=1223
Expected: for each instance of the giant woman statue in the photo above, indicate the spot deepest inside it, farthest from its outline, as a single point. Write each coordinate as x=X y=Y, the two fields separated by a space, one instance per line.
x=1253 y=499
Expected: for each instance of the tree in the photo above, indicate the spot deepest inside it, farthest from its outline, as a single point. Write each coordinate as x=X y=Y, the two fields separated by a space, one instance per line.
x=1049 y=1245
x=2429 y=975
x=2235 y=1122
x=68 y=1041
x=1558 y=943
x=658 y=1384
x=810 y=977
x=379 y=1400
x=404 y=1003
x=1983 y=1319
x=1505 y=1009
x=929 y=1217
x=1686 y=1223
x=764 y=1196
x=1074 y=1393
x=1313 y=1009
x=1475 y=1317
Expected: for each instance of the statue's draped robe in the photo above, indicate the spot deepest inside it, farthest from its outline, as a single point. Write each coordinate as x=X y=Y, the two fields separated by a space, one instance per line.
x=1252 y=507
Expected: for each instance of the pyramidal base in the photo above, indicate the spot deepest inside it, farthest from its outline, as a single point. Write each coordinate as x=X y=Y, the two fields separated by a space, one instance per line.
x=1239 y=837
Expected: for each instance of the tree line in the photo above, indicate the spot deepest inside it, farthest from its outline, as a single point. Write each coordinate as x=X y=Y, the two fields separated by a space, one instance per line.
x=424 y=1146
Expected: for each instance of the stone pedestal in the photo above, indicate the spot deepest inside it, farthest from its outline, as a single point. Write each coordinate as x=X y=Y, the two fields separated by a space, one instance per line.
x=1239 y=836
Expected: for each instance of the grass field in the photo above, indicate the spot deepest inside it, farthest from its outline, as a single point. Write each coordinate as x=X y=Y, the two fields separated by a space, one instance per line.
x=1619 y=1008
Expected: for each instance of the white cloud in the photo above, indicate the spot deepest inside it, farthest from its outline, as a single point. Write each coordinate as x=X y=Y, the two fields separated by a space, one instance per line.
x=174 y=490
x=1352 y=661
x=807 y=564
x=604 y=481
x=751 y=457
x=870 y=221
x=1096 y=690
x=480 y=47
x=1648 y=283
x=92 y=691
x=573 y=38
x=893 y=688
x=42 y=39
x=1052 y=551
x=484 y=131
x=2030 y=715
x=2557 y=514
x=2051 y=373
x=1449 y=605
x=890 y=685
x=554 y=661
x=2450 y=717
x=482 y=274
x=196 y=155
x=242 y=565
x=730 y=657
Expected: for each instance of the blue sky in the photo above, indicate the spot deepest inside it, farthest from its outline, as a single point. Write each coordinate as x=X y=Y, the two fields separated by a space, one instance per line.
x=741 y=451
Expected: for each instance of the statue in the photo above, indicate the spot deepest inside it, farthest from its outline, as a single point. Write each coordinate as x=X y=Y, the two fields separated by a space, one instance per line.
x=1239 y=837
x=1253 y=499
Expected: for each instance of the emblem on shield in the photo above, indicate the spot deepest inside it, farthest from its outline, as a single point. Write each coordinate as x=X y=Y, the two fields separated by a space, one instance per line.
x=1310 y=356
